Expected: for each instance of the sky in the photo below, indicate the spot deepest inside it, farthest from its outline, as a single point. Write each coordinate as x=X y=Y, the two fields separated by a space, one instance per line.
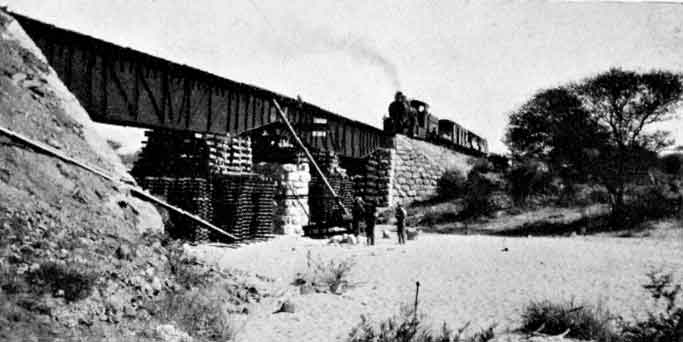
x=473 y=62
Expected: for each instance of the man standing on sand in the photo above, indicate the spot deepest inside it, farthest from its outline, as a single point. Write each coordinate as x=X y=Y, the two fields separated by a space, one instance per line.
x=370 y=223
x=357 y=213
x=400 y=224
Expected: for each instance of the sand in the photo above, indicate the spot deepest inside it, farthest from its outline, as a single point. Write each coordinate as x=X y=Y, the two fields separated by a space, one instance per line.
x=464 y=278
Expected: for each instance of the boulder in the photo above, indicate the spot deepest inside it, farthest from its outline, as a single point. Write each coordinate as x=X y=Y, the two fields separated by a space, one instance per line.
x=337 y=239
x=412 y=233
x=124 y=252
x=169 y=333
x=287 y=306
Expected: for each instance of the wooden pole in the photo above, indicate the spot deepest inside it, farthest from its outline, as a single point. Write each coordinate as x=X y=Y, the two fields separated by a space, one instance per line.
x=417 y=292
x=309 y=157
x=135 y=190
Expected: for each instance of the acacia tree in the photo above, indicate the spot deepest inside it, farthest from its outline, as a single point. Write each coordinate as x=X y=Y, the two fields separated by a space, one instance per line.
x=556 y=128
x=598 y=128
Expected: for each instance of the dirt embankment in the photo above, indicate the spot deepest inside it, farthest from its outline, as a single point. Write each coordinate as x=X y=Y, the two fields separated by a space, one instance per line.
x=80 y=259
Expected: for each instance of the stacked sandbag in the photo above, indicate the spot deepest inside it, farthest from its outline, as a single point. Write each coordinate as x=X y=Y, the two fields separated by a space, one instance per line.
x=291 y=195
x=375 y=185
x=328 y=162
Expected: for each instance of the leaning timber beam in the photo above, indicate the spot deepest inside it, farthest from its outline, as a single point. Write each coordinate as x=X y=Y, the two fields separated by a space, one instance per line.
x=310 y=157
x=133 y=189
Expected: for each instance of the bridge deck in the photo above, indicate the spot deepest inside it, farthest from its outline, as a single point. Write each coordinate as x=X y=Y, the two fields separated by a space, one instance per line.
x=122 y=86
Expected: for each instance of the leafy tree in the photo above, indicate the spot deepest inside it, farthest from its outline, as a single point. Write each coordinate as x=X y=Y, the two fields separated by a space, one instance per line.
x=598 y=129
x=672 y=163
x=554 y=126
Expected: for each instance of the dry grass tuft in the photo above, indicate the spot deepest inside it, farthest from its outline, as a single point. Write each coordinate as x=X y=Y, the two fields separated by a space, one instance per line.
x=202 y=313
x=407 y=326
x=326 y=275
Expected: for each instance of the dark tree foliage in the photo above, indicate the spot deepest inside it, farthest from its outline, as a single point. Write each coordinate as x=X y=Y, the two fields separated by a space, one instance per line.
x=526 y=178
x=597 y=129
x=672 y=163
x=554 y=126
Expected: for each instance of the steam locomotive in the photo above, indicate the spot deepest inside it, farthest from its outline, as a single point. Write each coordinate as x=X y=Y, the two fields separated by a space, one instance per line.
x=417 y=122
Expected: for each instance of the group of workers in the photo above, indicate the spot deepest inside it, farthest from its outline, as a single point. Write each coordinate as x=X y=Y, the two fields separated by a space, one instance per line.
x=367 y=213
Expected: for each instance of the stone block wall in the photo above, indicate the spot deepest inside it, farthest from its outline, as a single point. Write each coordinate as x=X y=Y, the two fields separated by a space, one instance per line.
x=291 y=212
x=408 y=172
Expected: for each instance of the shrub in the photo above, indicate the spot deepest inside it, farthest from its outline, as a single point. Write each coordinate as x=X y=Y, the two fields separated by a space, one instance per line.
x=500 y=163
x=331 y=275
x=648 y=202
x=663 y=326
x=188 y=271
x=202 y=313
x=408 y=327
x=583 y=322
x=672 y=163
x=526 y=179
x=53 y=278
x=482 y=165
x=479 y=189
x=452 y=184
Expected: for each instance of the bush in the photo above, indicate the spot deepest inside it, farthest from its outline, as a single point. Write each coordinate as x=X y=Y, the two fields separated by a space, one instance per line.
x=672 y=163
x=188 y=271
x=500 y=163
x=648 y=202
x=526 y=179
x=408 y=327
x=482 y=165
x=452 y=184
x=663 y=326
x=479 y=189
x=329 y=275
x=202 y=313
x=53 y=278
x=583 y=322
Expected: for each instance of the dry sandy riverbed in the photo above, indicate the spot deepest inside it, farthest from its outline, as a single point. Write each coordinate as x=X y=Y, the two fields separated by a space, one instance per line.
x=464 y=278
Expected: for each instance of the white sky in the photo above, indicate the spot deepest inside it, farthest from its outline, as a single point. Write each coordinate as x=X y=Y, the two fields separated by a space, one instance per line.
x=472 y=61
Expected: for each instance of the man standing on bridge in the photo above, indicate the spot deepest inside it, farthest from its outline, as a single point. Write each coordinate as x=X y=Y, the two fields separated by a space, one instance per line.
x=399 y=112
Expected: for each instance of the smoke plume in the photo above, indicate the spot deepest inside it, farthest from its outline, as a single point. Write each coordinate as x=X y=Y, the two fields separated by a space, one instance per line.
x=318 y=40
x=367 y=53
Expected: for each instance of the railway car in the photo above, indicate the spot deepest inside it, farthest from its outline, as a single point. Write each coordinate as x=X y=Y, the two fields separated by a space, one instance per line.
x=423 y=125
x=447 y=130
